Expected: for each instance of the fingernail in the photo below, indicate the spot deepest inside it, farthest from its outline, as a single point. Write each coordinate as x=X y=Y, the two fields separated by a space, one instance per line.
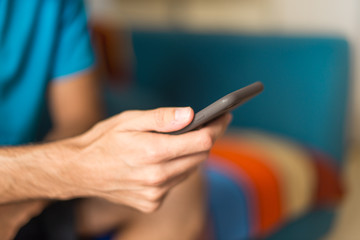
x=182 y=114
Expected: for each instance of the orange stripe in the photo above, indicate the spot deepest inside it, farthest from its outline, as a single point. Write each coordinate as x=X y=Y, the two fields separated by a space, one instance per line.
x=250 y=159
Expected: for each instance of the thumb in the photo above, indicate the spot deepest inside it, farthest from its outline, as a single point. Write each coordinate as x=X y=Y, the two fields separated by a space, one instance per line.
x=162 y=119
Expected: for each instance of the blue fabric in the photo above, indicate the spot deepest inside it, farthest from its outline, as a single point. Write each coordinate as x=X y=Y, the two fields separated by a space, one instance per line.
x=227 y=200
x=312 y=226
x=40 y=41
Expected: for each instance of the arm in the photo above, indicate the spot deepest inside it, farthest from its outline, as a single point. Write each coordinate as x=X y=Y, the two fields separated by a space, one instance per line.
x=72 y=53
x=73 y=111
x=120 y=160
x=28 y=172
x=74 y=107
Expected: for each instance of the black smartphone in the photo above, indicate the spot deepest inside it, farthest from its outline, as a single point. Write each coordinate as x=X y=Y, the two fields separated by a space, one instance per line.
x=224 y=105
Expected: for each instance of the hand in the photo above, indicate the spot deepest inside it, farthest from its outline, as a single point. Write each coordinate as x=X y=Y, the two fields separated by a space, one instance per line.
x=15 y=215
x=123 y=160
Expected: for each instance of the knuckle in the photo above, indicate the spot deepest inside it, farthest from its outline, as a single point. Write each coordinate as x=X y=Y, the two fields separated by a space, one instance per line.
x=100 y=125
x=155 y=178
x=124 y=118
x=154 y=194
x=127 y=114
x=118 y=119
x=151 y=152
x=151 y=207
x=202 y=156
x=206 y=141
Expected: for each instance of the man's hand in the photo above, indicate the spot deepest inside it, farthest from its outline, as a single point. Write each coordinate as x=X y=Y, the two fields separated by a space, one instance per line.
x=123 y=160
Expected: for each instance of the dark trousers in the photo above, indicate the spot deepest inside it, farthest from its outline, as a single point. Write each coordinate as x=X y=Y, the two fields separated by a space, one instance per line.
x=56 y=222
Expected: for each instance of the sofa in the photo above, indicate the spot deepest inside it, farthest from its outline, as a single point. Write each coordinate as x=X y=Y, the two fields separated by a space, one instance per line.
x=305 y=100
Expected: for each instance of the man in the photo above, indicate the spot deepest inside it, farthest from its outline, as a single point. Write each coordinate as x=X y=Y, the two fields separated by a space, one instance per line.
x=45 y=67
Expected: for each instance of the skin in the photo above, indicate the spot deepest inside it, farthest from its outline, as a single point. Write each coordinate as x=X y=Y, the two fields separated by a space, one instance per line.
x=181 y=216
x=120 y=160
x=71 y=115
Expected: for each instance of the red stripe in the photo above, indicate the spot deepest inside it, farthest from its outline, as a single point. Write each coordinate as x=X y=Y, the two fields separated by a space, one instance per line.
x=329 y=190
x=250 y=159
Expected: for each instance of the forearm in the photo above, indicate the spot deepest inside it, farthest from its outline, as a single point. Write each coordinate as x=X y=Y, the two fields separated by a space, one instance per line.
x=34 y=171
x=15 y=214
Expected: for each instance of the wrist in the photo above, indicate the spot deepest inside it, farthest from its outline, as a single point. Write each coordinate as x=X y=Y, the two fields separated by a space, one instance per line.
x=44 y=170
x=62 y=171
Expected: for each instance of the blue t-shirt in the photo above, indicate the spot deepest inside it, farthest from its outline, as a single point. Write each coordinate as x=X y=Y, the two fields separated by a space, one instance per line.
x=40 y=41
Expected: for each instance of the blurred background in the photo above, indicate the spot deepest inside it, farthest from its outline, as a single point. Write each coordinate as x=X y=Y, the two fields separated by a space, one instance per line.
x=314 y=32
x=307 y=17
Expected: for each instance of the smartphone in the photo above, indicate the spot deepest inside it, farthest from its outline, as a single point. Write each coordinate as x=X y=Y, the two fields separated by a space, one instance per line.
x=224 y=105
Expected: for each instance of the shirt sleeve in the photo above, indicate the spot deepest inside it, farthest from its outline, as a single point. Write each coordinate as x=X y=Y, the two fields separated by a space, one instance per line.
x=73 y=50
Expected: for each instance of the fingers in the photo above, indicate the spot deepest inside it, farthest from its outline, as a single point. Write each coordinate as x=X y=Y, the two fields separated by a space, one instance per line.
x=136 y=201
x=218 y=127
x=175 y=146
x=183 y=165
x=167 y=147
x=163 y=173
x=159 y=120
x=161 y=147
x=155 y=195
x=148 y=198
x=179 y=178
x=144 y=165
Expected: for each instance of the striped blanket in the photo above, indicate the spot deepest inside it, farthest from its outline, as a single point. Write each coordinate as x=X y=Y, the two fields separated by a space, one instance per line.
x=257 y=182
